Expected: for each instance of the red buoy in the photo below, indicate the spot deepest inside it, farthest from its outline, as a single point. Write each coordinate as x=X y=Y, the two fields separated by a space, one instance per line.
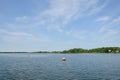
x=63 y=59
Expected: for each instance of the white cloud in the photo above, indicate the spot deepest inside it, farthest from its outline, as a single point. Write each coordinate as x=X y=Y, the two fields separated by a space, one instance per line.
x=59 y=13
x=3 y=31
x=62 y=8
x=105 y=18
x=62 y=12
x=15 y=33
x=109 y=33
x=22 y=36
x=114 y=24
x=116 y=21
x=23 y=18
x=71 y=9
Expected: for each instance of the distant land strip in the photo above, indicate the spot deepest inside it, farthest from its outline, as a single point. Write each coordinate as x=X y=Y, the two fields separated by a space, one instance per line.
x=80 y=50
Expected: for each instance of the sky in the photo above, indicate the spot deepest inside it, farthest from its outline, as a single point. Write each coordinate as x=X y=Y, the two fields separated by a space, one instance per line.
x=49 y=25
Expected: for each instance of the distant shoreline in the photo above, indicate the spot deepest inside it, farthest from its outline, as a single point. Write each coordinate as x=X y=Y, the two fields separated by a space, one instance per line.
x=79 y=51
x=50 y=53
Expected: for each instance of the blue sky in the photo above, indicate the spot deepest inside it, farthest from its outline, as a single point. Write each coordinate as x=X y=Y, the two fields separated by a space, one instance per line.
x=48 y=25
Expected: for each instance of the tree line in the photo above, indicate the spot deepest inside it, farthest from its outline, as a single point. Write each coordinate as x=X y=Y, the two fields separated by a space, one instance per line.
x=95 y=50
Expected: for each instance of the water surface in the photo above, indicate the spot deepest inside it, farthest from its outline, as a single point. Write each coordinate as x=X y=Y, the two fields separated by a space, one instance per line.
x=50 y=67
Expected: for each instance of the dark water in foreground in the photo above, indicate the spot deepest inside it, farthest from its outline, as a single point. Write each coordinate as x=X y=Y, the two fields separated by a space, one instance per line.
x=50 y=67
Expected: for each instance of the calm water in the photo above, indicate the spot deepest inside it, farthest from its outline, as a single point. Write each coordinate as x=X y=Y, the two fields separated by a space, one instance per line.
x=50 y=67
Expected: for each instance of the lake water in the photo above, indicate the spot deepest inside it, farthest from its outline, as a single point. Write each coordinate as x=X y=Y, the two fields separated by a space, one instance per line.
x=50 y=67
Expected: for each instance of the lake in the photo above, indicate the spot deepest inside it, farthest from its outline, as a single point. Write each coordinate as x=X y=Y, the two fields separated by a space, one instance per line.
x=50 y=67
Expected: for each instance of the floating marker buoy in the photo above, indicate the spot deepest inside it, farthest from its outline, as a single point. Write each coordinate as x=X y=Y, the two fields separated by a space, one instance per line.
x=63 y=59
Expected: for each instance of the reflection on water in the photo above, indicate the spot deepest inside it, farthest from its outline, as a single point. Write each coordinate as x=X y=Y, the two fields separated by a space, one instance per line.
x=50 y=67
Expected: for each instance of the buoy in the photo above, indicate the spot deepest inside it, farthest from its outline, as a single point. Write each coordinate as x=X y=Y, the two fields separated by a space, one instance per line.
x=63 y=59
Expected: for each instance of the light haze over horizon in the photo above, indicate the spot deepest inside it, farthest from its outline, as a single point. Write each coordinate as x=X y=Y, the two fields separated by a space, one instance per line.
x=49 y=25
